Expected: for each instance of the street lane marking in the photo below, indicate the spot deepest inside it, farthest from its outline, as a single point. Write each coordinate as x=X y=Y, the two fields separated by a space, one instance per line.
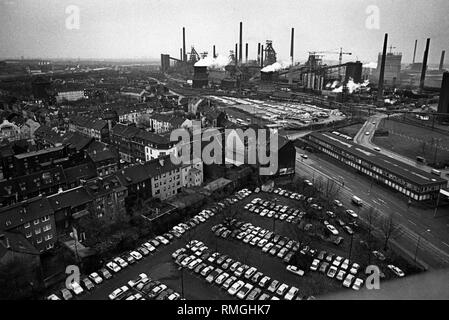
x=445 y=243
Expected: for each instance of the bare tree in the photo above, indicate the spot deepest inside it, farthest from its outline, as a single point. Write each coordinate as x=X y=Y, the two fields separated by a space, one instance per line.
x=372 y=217
x=390 y=229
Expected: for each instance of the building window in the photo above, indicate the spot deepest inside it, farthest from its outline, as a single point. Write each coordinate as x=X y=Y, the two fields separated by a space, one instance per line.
x=48 y=237
x=46 y=218
x=28 y=235
x=26 y=225
x=36 y=221
x=37 y=231
x=39 y=240
x=47 y=227
x=49 y=246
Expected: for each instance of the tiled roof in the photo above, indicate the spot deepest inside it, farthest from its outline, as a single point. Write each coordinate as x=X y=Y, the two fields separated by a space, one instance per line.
x=69 y=198
x=26 y=211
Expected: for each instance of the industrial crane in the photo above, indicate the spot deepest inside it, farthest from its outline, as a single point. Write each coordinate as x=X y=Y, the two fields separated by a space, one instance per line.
x=340 y=60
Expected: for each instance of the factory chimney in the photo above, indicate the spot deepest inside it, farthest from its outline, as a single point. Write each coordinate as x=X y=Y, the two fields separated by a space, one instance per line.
x=236 y=53
x=380 y=94
x=240 y=43
x=184 y=55
x=258 y=52
x=214 y=53
x=292 y=44
x=414 y=52
x=424 y=66
x=261 y=56
x=180 y=53
x=246 y=53
x=442 y=60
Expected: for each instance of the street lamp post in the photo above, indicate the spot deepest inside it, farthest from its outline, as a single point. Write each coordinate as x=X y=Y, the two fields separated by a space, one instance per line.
x=436 y=207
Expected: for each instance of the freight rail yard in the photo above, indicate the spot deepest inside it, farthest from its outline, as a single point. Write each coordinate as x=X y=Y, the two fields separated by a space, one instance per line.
x=281 y=114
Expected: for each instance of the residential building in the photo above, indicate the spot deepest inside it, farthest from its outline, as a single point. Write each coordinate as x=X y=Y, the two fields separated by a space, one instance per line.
x=34 y=219
x=109 y=195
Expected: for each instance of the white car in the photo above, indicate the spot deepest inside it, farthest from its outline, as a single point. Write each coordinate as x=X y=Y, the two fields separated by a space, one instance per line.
x=355 y=268
x=149 y=246
x=338 y=203
x=132 y=283
x=315 y=264
x=291 y=293
x=352 y=213
x=396 y=270
x=162 y=239
x=136 y=255
x=341 y=275
x=236 y=287
x=357 y=284
x=282 y=289
x=295 y=270
x=348 y=281
x=113 y=266
x=243 y=292
x=76 y=288
x=118 y=292
x=332 y=272
x=53 y=297
x=345 y=264
x=122 y=263
x=332 y=229
x=337 y=261
x=95 y=278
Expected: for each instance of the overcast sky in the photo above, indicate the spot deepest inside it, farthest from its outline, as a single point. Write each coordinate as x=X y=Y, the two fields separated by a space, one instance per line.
x=147 y=28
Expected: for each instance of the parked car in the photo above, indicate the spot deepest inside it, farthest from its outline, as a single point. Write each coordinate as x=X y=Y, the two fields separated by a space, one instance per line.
x=332 y=271
x=105 y=273
x=291 y=294
x=396 y=270
x=243 y=292
x=295 y=270
x=282 y=289
x=94 y=276
x=273 y=286
x=357 y=284
x=352 y=213
x=118 y=292
x=315 y=264
x=236 y=287
x=66 y=295
x=113 y=266
x=87 y=283
x=348 y=280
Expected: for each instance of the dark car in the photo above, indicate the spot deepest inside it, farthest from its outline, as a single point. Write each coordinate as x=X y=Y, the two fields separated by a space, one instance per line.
x=105 y=273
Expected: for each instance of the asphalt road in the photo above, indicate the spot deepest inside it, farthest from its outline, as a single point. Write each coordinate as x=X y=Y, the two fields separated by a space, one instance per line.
x=364 y=139
x=421 y=229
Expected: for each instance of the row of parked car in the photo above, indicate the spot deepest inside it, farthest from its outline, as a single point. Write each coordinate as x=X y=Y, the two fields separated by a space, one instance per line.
x=270 y=209
x=236 y=278
x=268 y=241
x=339 y=268
x=144 y=288
x=115 y=265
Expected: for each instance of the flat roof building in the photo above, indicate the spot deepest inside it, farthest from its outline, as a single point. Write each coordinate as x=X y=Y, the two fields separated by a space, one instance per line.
x=408 y=180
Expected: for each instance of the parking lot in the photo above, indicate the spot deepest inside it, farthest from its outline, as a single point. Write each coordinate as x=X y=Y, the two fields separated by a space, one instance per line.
x=280 y=217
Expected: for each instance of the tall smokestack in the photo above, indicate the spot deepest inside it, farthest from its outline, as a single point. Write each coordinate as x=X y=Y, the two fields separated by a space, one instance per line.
x=240 y=42
x=258 y=52
x=184 y=44
x=292 y=44
x=424 y=65
x=236 y=53
x=380 y=94
x=261 y=56
x=443 y=53
x=214 y=54
x=180 y=54
x=414 y=52
x=246 y=53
